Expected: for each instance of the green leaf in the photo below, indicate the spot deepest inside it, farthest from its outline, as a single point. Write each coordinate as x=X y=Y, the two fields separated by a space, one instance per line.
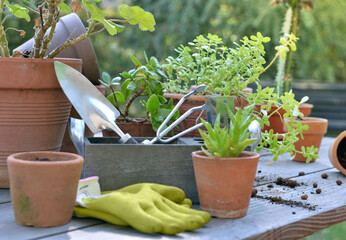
x=20 y=12
x=63 y=7
x=135 y=61
x=136 y=15
x=153 y=103
x=111 y=99
x=106 y=77
x=120 y=97
x=99 y=15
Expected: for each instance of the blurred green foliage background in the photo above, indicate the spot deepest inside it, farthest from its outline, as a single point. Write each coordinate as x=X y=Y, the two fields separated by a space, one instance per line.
x=321 y=54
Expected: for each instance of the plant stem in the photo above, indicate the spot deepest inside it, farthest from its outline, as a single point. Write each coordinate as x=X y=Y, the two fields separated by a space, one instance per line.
x=270 y=64
x=4 y=50
x=49 y=37
x=74 y=41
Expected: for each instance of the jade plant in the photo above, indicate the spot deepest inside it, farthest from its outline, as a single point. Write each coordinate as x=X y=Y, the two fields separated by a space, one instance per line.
x=46 y=15
x=230 y=140
x=290 y=27
x=140 y=83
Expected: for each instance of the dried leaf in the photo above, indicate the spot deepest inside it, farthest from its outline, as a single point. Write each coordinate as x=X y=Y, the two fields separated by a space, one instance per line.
x=76 y=6
x=22 y=33
x=17 y=54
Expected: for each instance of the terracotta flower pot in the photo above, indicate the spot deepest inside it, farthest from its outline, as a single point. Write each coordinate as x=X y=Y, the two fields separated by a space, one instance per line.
x=276 y=121
x=312 y=137
x=43 y=191
x=192 y=120
x=33 y=108
x=337 y=152
x=224 y=185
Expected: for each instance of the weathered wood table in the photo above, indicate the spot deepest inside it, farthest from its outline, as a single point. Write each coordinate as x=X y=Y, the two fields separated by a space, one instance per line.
x=287 y=218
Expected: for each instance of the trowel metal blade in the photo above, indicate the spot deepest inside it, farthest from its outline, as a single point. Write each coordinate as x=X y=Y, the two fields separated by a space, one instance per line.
x=94 y=108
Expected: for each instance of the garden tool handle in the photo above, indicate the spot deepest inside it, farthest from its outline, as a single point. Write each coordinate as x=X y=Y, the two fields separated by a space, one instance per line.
x=159 y=135
x=124 y=138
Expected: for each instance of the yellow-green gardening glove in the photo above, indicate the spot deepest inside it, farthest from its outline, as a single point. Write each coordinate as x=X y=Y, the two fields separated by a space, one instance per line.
x=147 y=207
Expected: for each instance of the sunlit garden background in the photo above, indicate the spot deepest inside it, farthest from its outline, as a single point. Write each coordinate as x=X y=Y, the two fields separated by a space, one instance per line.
x=320 y=57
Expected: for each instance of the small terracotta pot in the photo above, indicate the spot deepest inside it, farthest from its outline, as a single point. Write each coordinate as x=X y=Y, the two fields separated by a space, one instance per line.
x=225 y=185
x=337 y=152
x=312 y=137
x=276 y=121
x=44 y=192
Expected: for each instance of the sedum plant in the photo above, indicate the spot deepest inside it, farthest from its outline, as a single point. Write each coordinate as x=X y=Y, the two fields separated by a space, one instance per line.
x=231 y=140
x=46 y=15
x=141 y=82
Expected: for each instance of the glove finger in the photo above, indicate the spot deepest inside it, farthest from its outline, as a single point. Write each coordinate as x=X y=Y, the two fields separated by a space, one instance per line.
x=171 y=225
x=191 y=220
x=86 y=212
x=119 y=205
x=184 y=210
x=172 y=193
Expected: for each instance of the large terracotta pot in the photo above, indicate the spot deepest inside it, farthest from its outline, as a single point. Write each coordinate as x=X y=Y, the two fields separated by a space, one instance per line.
x=193 y=119
x=276 y=119
x=44 y=187
x=337 y=152
x=225 y=185
x=33 y=108
x=312 y=137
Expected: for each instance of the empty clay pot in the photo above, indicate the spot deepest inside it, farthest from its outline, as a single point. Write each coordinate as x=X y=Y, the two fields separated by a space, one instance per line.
x=312 y=137
x=225 y=185
x=44 y=187
x=337 y=152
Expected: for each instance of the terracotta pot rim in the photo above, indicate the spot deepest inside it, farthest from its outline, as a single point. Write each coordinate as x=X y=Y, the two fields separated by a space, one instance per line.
x=242 y=156
x=71 y=158
x=313 y=122
x=332 y=152
x=310 y=120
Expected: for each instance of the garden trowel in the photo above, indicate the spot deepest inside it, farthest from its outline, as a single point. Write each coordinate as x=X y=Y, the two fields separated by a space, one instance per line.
x=97 y=112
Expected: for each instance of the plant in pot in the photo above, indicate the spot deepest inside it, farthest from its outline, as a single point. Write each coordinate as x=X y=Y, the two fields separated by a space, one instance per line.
x=225 y=71
x=34 y=110
x=139 y=98
x=224 y=172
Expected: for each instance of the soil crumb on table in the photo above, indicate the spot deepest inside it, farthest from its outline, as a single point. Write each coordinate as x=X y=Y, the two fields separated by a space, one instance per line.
x=279 y=200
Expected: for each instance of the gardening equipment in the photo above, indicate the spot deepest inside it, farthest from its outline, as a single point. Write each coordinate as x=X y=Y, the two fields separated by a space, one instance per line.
x=97 y=112
x=160 y=135
x=76 y=128
x=170 y=211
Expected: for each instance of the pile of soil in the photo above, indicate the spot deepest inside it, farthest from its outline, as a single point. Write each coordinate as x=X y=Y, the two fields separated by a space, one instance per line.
x=287 y=182
x=279 y=200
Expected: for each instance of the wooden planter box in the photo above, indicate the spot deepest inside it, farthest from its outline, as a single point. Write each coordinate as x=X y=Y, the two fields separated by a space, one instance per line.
x=120 y=165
